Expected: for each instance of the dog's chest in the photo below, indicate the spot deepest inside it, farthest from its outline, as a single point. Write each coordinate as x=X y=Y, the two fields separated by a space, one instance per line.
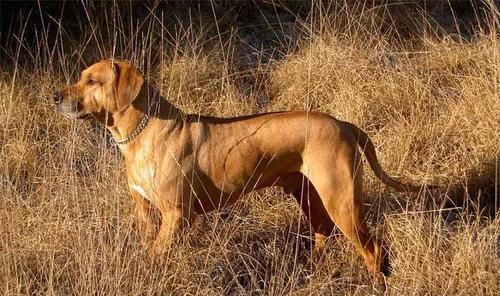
x=137 y=188
x=141 y=172
x=143 y=182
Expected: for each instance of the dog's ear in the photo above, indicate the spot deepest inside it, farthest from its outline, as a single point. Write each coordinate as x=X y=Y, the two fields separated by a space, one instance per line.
x=128 y=84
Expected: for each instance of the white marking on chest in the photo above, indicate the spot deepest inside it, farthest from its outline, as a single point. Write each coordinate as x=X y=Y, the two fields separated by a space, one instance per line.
x=141 y=191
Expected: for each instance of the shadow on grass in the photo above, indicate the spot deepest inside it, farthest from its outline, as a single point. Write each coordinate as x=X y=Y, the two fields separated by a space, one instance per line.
x=477 y=193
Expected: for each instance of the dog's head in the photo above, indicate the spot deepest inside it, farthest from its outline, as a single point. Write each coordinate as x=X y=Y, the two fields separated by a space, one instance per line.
x=104 y=89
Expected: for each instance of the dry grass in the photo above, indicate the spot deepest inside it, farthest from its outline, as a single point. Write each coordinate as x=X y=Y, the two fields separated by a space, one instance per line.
x=431 y=108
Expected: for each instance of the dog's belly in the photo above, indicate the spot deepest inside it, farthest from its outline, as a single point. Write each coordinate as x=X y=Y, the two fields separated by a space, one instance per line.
x=218 y=199
x=217 y=190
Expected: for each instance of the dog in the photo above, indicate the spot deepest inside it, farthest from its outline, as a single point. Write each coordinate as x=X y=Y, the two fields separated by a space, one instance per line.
x=188 y=164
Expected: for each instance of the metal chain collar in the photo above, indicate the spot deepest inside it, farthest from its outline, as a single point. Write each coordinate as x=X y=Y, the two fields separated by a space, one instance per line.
x=134 y=134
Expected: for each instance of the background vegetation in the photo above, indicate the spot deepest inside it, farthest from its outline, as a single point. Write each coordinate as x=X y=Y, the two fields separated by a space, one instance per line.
x=422 y=79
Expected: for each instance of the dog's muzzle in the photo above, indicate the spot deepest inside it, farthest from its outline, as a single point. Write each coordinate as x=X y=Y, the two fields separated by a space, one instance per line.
x=68 y=108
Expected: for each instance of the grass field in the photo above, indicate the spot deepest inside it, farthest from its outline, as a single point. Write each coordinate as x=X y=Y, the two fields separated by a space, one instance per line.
x=430 y=103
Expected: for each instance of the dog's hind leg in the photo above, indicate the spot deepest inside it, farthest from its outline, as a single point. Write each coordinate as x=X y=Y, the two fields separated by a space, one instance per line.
x=337 y=178
x=310 y=202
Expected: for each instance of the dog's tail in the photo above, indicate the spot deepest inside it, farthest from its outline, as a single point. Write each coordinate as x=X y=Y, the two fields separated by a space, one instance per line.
x=369 y=150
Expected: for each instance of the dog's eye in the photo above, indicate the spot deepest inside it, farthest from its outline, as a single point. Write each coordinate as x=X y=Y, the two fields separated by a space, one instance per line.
x=91 y=81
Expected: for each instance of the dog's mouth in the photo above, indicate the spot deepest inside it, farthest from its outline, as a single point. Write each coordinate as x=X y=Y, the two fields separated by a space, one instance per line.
x=83 y=116
x=72 y=112
x=77 y=115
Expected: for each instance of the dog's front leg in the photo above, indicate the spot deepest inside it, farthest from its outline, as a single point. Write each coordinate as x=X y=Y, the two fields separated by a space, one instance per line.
x=146 y=218
x=175 y=204
x=171 y=224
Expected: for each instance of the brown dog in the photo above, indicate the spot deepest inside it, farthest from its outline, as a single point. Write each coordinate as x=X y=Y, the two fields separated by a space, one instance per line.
x=186 y=165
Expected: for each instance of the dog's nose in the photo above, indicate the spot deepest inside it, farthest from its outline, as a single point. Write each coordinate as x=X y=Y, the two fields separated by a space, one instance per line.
x=58 y=97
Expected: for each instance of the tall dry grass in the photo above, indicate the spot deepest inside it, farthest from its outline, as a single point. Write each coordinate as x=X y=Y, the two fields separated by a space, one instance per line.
x=431 y=106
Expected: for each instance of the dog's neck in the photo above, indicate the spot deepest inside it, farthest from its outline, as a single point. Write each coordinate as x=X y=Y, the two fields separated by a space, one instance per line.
x=150 y=103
